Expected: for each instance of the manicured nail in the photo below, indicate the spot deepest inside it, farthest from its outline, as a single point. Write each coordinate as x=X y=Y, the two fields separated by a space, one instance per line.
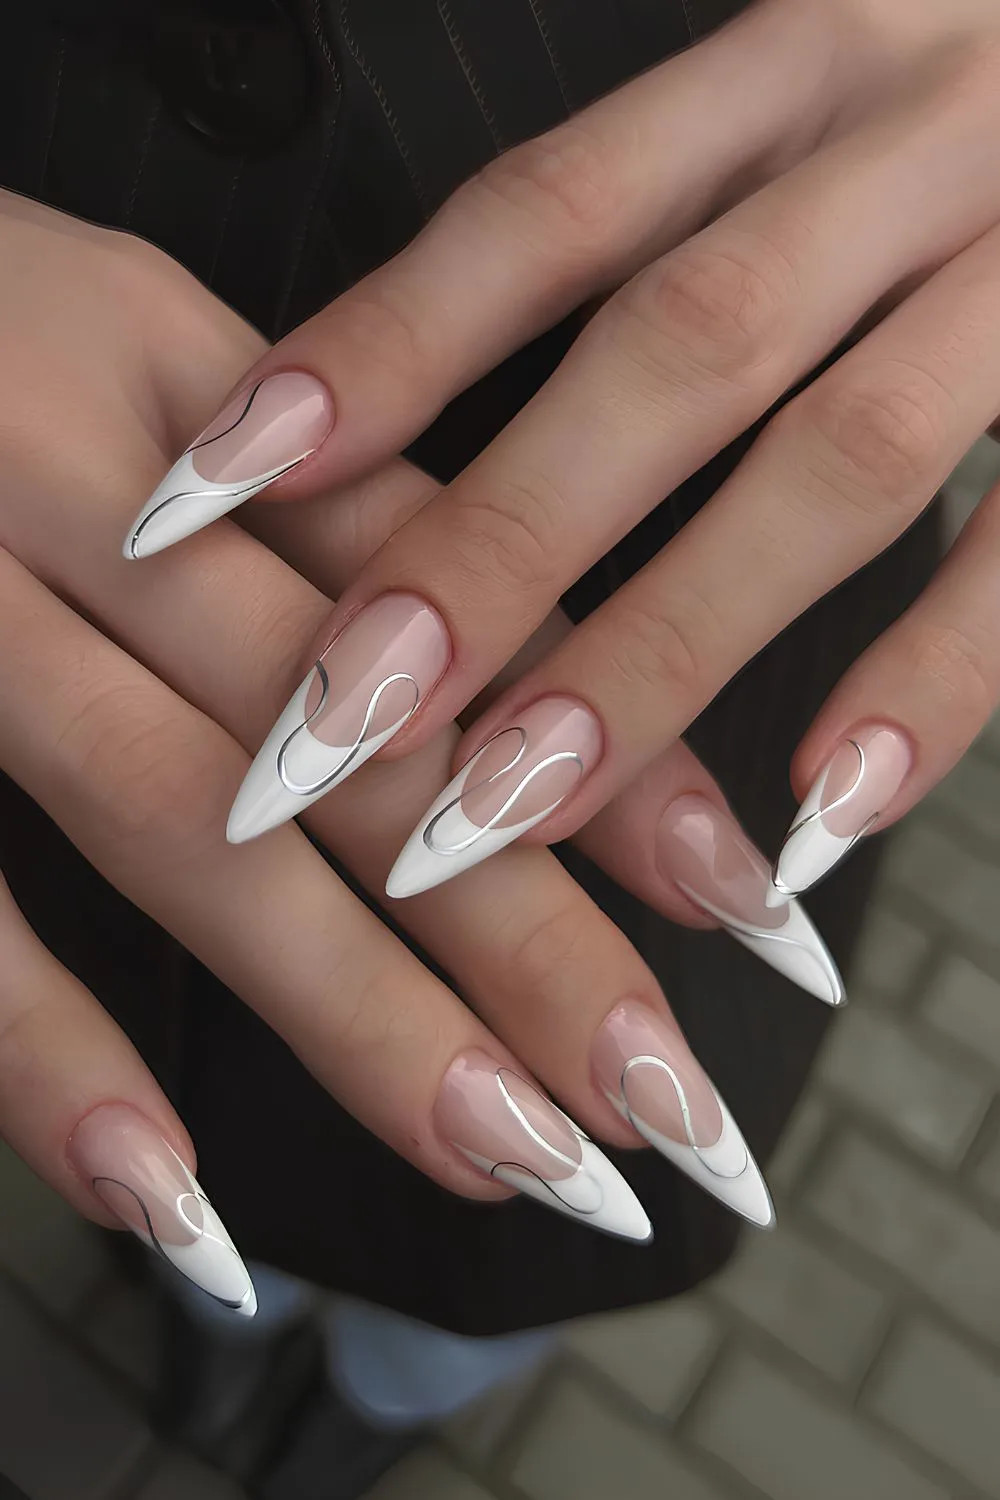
x=510 y=1131
x=260 y=435
x=141 y=1180
x=645 y=1068
x=518 y=778
x=709 y=857
x=361 y=692
x=843 y=804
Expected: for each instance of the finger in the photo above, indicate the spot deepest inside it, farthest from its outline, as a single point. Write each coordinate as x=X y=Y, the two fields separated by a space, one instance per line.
x=78 y=1104
x=139 y=780
x=905 y=712
x=841 y=472
x=671 y=839
x=536 y=233
x=679 y=362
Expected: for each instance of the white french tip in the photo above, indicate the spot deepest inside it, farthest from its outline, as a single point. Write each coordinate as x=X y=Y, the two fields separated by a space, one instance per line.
x=266 y=799
x=597 y=1194
x=457 y=843
x=794 y=949
x=774 y=898
x=184 y=503
x=725 y=1170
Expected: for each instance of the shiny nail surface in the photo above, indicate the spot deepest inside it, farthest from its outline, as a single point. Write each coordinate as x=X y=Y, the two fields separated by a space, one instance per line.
x=504 y=1126
x=512 y=783
x=360 y=693
x=147 y=1186
x=260 y=435
x=708 y=856
x=843 y=804
x=647 y=1071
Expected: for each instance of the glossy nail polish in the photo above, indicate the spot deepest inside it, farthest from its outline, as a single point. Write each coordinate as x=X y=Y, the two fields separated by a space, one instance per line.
x=147 y=1186
x=517 y=779
x=708 y=856
x=361 y=692
x=504 y=1126
x=646 y=1070
x=263 y=433
x=843 y=804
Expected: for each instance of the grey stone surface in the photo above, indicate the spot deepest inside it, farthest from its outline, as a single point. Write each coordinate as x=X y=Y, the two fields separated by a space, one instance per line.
x=44 y=1245
x=962 y=887
x=942 y=1397
x=656 y=1354
x=934 y=1101
x=427 y=1475
x=972 y=795
x=963 y=1003
x=64 y=1434
x=891 y=954
x=119 y=1326
x=986 y=1173
x=808 y=1127
x=475 y=1433
x=800 y=1295
x=177 y=1476
x=908 y=1222
x=580 y=1449
x=797 y=1444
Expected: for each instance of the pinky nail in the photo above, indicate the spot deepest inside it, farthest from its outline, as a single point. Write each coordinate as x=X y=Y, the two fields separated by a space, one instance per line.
x=705 y=853
x=146 y=1185
x=842 y=805
x=506 y=1128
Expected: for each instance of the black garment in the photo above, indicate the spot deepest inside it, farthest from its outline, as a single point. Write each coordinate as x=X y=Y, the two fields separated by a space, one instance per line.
x=159 y=118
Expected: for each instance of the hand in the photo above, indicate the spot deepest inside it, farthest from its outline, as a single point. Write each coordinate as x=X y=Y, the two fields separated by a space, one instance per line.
x=838 y=165
x=125 y=697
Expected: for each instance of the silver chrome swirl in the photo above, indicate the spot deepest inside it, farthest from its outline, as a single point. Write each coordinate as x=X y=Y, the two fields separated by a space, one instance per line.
x=821 y=812
x=313 y=789
x=504 y=809
x=700 y=1151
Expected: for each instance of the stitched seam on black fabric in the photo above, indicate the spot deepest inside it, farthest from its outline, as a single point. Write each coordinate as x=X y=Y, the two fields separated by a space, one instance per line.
x=557 y=67
x=287 y=291
x=387 y=110
x=322 y=42
x=60 y=67
x=465 y=62
x=688 y=21
x=147 y=138
x=227 y=215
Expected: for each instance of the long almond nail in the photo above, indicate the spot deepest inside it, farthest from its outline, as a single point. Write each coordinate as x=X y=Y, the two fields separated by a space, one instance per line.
x=144 y=1182
x=361 y=692
x=505 y=1127
x=265 y=432
x=709 y=857
x=646 y=1070
x=518 y=778
x=843 y=804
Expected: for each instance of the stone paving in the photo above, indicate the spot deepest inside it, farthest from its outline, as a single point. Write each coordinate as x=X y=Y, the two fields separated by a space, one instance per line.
x=856 y=1351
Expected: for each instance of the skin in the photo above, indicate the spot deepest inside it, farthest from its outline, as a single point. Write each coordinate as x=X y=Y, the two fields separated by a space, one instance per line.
x=844 y=176
x=128 y=699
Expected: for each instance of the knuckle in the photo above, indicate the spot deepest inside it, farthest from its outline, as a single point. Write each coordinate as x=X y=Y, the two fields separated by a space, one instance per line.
x=659 y=652
x=564 y=183
x=957 y=662
x=379 y=321
x=880 y=439
x=556 y=940
x=508 y=530
x=724 y=312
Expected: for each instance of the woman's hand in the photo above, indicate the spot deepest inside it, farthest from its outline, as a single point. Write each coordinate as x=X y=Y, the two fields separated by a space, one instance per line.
x=126 y=695
x=810 y=166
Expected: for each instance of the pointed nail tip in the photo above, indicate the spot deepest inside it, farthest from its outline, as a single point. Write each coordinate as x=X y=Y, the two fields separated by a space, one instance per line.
x=773 y=897
x=248 y=1307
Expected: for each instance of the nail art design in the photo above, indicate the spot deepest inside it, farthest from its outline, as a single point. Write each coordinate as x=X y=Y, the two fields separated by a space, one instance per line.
x=510 y=1131
x=842 y=805
x=516 y=780
x=144 y=1182
x=255 y=439
x=647 y=1072
x=709 y=857
x=360 y=693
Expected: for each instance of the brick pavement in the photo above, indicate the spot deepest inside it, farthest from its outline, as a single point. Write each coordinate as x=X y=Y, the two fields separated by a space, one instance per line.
x=854 y=1352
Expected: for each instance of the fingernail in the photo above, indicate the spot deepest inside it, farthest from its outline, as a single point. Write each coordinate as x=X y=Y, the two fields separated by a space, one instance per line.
x=646 y=1070
x=260 y=435
x=843 y=803
x=708 y=856
x=141 y=1180
x=361 y=692
x=518 y=778
x=510 y=1131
